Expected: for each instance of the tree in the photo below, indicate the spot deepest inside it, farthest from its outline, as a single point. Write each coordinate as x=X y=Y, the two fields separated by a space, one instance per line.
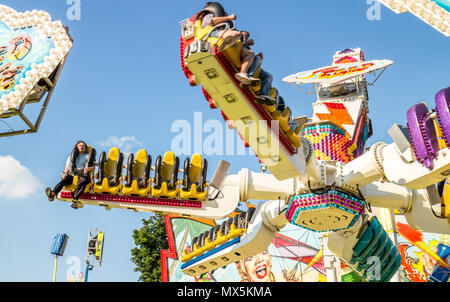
x=149 y=241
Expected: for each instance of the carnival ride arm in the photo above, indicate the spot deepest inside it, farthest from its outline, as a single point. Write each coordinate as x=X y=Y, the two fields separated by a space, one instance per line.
x=268 y=219
x=390 y=180
x=216 y=208
x=403 y=175
x=252 y=240
x=387 y=162
x=418 y=157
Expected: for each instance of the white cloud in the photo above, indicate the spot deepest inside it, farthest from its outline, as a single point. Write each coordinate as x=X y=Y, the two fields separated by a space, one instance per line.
x=126 y=144
x=16 y=181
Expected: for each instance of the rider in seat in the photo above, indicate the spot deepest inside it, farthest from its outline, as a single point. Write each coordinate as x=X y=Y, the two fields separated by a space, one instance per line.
x=214 y=15
x=79 y=166
x=263 y=97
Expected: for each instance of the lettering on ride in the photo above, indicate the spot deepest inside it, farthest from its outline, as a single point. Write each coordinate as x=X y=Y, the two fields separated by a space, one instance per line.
x=336 y=71
x=19 y=47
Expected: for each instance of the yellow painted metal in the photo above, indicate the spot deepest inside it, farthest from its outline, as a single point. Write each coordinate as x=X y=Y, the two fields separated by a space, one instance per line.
x=227 y=95
x=55 y=267
x=446 y=202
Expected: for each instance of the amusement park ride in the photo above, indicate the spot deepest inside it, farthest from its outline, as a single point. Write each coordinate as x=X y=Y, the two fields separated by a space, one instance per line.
x=323 y=176
x=94 y=250
x=32 y=55
x=433 y=12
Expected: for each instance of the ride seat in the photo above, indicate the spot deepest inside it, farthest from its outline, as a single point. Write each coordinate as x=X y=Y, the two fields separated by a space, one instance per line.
x=273 y=93
x=91 y=159
x=138 y=174
x=194 y=178
x=233 y=53
x=294 y=136
x=203 y=33
x=109 y=172
x=218 y=235
x=283 y=117
x=165 y=182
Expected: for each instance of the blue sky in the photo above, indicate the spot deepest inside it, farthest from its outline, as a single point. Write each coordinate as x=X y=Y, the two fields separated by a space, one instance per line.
x=123 y=83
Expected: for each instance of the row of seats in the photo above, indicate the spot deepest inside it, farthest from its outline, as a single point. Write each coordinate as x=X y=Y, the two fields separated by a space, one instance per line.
x=283 y=115
x=280 y=111
x=137 y=181
x=218 y=235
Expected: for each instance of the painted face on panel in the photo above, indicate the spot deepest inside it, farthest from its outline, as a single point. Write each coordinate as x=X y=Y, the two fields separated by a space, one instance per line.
x=258 y=266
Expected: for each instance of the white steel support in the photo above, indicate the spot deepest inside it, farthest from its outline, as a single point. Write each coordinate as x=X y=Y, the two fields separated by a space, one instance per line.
x=387 y=220
x=331 y=263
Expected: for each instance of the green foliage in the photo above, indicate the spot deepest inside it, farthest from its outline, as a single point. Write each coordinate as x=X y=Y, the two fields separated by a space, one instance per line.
x=149 y=241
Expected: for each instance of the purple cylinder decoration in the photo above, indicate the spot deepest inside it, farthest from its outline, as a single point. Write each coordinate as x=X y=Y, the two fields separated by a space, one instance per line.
x=443 y=113
x=423 y=134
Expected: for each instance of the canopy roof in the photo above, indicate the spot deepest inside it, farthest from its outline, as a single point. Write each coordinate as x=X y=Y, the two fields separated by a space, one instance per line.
x=336 y=73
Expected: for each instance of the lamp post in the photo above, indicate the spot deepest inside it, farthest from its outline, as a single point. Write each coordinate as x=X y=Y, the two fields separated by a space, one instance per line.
x=57 y=249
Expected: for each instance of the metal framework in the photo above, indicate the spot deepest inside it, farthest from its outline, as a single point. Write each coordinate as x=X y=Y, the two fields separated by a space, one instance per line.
x=49 y=83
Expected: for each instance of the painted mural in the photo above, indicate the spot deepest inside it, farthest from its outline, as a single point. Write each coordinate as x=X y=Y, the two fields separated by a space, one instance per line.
x=19 y=50
x=424 y=256
x=285 y=260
